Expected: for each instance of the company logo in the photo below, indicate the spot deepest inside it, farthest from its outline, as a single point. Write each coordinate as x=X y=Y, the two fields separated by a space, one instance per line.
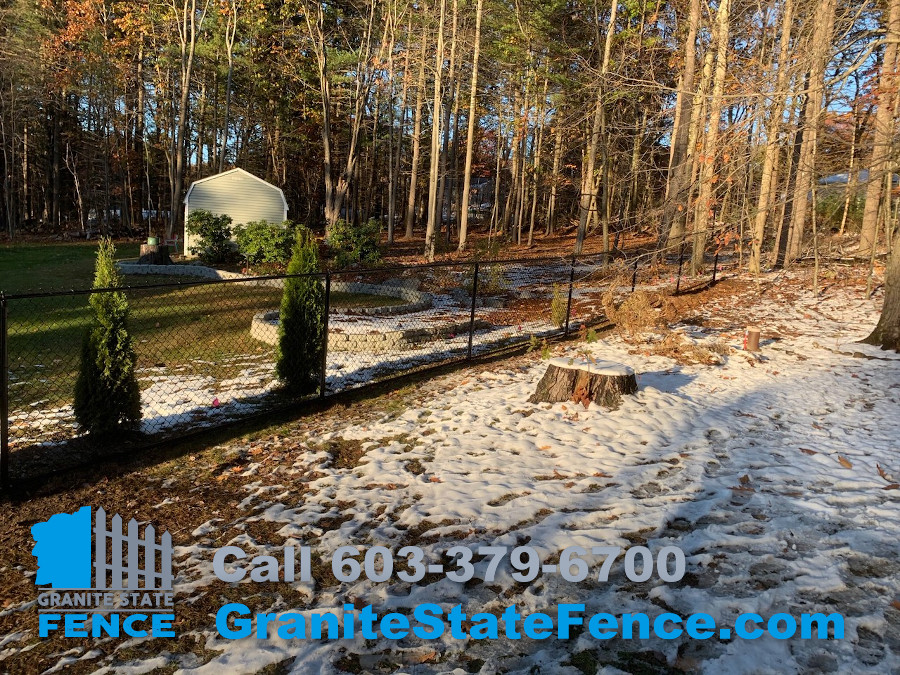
x=125 y=583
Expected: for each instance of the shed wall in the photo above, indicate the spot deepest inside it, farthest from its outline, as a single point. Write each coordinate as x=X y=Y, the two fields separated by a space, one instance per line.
x=238 y=195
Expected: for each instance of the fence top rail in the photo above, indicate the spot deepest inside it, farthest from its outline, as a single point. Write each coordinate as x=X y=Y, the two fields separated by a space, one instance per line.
x=569 y=259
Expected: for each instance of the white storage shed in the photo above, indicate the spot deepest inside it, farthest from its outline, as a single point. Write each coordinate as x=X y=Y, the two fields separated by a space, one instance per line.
x=236 y=193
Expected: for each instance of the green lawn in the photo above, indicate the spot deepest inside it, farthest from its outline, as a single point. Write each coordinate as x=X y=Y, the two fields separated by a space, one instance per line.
x=51 y=267
x=194 y=330
x=188 y=330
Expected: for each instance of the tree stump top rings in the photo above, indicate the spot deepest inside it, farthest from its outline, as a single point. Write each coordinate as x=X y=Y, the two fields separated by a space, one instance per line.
x=593 y=366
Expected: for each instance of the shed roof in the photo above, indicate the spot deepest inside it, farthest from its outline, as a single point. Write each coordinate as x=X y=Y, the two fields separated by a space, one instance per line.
x=187 y=196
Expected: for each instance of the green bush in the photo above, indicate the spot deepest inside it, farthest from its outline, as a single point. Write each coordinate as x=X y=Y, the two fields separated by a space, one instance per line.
x=830 y=211
x=301 y=334
x=355 y=245
x=263 y=243
x=491 y=279
x=214 y=233
x=107 y=395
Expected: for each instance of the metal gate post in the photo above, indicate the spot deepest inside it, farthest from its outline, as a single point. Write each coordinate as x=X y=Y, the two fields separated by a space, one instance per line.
x=4 y=393
x=325 y=335
x=472 y=314
x=569 y=301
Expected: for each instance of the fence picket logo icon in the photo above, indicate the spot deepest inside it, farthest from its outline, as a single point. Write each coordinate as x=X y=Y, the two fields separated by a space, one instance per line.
x=63 y=550
x=100 y=567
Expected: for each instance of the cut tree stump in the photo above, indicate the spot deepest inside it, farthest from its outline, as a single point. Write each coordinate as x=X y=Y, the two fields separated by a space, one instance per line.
x=583 y=381
x=154 y=254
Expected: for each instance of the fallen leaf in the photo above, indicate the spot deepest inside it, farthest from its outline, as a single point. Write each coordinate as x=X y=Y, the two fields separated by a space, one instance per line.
x=807 y=451
x=817 y=426
x=882 y=472
x=544 y=447
x=421 y=658
x=570 y=484
x=846 y=463
x=602 y=474
x=435 y=479
x=745 y=480
x=892 y=486
x=896 y=604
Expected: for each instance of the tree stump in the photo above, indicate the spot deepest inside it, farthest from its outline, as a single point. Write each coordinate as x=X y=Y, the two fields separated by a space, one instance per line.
x=154 y=254
x=583 y=381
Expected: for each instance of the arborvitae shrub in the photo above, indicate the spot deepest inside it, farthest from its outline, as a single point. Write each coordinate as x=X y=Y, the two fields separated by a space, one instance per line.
x=301 y=334
x=107 y=395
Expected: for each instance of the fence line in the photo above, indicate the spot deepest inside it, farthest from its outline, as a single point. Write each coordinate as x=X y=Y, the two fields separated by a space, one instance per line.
x=195 y=345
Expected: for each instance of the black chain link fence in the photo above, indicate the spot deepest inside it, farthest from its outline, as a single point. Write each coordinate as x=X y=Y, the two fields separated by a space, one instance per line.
x=206 y=350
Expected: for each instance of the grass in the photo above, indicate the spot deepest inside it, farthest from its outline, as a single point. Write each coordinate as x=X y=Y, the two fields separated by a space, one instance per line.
x=339 y=299
x=51 y=267
x=200 y=330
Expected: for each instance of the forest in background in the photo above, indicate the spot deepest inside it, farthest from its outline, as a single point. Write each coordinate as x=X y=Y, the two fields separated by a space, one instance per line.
x=768 y=122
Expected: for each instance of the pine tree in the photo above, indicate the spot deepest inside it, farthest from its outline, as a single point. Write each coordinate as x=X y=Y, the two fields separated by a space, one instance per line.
x=107 y=395
x=301 y=335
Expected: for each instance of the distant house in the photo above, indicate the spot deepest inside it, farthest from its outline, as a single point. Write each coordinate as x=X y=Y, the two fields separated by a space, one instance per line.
x=238 y=194
x=840 y=181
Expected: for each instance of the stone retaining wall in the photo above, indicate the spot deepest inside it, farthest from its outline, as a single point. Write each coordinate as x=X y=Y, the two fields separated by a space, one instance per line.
x=264 y=327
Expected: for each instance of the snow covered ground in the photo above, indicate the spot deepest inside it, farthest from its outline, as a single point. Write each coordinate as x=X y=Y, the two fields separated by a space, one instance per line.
x=776 y=473
x=770 y=472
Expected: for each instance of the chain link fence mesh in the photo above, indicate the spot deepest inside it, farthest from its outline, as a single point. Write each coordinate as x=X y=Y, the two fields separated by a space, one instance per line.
x=207 y=351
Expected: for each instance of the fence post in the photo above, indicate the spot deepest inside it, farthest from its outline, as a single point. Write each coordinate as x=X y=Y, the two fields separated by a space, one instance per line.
x=715 y=267
x=472 y=314
x=680 y=265
x=569 y=301
x=634 y=276
x=325 y=335
x=4 y=393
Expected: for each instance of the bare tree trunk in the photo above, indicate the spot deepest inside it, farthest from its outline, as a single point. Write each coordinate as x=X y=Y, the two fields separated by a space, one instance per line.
x=554 y=185
x=705 y=200
x=536 y=165
x=417 y=145
x=678 y=181
x=883 y=132
x=190 y=23
x=449 y=107
x=805 y=170
x=588 y=191
x=769 y=179
x=470 y=134
x=433 y=197
x=887 y=332
x=230 y=32
x=337 y=189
